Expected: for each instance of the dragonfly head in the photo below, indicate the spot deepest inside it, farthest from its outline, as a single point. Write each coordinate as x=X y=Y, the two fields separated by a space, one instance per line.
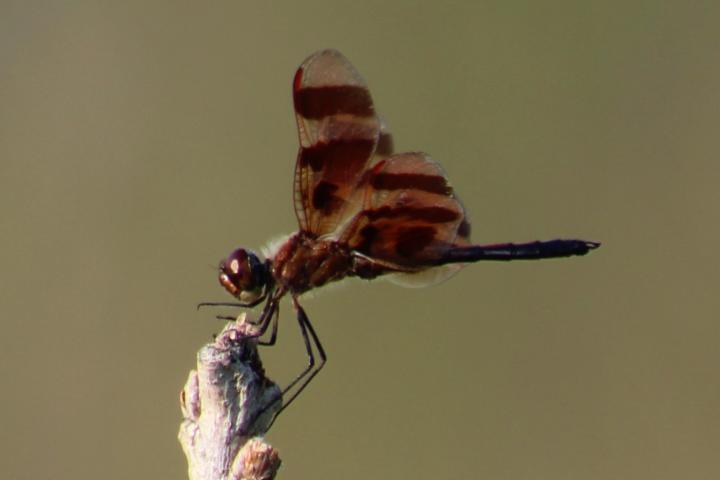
x=243 y=275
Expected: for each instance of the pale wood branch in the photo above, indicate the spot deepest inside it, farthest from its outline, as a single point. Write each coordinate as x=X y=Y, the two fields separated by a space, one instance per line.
x=225 y=409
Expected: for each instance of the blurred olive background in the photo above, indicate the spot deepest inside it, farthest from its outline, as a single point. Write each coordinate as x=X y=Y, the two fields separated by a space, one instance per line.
x=142 y=141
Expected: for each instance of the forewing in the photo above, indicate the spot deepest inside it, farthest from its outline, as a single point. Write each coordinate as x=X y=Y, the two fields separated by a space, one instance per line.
x=338 y=131
x=411 y=215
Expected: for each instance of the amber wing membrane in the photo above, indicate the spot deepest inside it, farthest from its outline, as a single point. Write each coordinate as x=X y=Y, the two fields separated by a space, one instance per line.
x=338 y=131
x=410 y=215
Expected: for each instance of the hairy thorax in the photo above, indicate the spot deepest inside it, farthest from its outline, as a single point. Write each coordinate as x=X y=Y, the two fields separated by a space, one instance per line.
x=304 y=262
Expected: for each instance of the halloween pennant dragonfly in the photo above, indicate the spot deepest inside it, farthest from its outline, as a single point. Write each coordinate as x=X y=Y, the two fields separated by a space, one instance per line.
x=363 y=211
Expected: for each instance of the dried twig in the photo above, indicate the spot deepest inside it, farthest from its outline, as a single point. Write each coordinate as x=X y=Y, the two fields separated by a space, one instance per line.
x=224 y=404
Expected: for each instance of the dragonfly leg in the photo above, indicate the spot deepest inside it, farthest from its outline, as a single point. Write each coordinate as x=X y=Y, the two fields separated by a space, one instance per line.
x=273 y=333
x=233 y=304
x=304 y=378
x=269 y=314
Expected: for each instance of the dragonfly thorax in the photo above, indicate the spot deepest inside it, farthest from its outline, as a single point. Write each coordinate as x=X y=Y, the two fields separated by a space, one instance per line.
x=304 y=262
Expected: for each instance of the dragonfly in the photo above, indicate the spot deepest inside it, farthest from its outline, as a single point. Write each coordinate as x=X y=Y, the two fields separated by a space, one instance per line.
x=363 y=211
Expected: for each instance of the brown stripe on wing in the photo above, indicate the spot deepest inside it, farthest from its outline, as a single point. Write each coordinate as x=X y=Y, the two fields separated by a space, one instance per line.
x=327 y=85
x=404 y=241
x=432 y=214
x=358 y=195
x=339 y=132
x=418 y=181
x=318 y=102
x=330 y=172
x=405 y=235
x=351 y=152
x=411 y=215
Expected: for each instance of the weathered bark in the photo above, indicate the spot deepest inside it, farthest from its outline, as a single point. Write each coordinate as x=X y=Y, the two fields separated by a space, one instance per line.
x=227 y=405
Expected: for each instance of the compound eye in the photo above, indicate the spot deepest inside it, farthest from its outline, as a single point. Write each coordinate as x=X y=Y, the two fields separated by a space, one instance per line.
x=235 y=272
x=242 y=274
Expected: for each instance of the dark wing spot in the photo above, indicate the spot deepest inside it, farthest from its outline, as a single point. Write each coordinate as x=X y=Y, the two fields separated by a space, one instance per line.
x=368 y=234
x=412 y=241
x=464 y=229
x=324 y=198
